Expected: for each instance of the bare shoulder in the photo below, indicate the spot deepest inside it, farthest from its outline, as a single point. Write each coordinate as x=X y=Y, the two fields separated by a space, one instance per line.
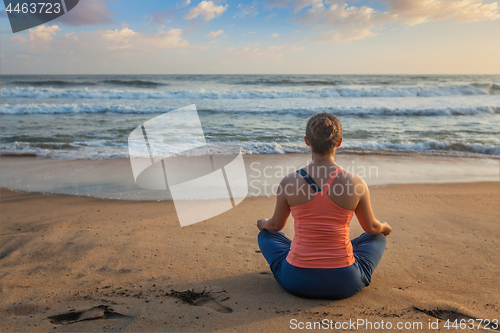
x=351 y=178
x=290 y=179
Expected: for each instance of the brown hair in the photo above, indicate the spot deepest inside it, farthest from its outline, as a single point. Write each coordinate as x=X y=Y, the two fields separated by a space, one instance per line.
x=323 y=131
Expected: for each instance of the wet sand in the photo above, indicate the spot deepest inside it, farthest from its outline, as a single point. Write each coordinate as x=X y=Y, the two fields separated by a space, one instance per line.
x=117 y=262
x=113 y=179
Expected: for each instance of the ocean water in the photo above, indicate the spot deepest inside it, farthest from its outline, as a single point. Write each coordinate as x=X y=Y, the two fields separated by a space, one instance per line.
x=91 y=116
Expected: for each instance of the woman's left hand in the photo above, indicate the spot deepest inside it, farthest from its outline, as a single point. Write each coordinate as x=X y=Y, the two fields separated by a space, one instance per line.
x=261 y=224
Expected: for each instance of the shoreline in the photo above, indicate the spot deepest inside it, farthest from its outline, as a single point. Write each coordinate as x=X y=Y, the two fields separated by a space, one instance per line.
x=344 y=151
x=21 y=192
x=113 y=178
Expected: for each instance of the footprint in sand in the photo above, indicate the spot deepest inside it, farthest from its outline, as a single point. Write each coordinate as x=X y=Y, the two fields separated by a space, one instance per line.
x=200 y=299
x=95 y=313
x=451 y=311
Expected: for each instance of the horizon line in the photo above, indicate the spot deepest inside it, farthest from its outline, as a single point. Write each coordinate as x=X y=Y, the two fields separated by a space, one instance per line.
x=401 y=74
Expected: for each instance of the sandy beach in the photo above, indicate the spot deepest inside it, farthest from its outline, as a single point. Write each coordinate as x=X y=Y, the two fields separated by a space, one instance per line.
x=124 y=262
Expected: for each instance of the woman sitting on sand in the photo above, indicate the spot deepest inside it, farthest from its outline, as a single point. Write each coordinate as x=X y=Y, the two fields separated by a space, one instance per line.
x=322 y=262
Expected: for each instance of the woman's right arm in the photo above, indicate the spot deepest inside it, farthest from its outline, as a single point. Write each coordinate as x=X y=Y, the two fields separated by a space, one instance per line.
x=365 y=216
x=281 y=212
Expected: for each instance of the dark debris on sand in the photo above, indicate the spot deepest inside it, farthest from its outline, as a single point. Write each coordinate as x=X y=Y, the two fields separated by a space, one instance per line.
x=188 y=296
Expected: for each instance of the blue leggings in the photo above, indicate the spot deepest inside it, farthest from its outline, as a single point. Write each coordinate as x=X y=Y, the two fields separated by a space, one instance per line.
x=325 y=283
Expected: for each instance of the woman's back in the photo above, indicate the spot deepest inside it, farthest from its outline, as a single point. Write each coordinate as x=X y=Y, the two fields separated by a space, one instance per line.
x=344 y=191
x=321 y=226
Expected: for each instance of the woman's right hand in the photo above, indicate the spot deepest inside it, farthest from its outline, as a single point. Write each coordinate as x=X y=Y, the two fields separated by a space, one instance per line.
x=261 y=224
x=387 y=229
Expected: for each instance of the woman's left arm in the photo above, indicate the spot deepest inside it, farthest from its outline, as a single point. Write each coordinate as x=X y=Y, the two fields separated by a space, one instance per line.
x=281 y=212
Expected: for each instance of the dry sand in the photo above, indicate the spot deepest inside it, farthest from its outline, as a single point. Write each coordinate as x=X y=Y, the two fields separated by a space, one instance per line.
x=65 y=254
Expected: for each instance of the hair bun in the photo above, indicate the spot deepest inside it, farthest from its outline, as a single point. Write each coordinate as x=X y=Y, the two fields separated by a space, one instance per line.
x=324 y=132
x=323 y=128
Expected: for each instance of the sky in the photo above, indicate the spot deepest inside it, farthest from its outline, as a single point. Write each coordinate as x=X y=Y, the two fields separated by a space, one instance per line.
x=259 y=37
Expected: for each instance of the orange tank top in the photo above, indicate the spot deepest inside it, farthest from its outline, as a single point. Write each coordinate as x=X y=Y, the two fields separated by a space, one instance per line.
x=321 y=231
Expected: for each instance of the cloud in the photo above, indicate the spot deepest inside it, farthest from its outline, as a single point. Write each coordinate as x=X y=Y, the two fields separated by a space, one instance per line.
x=275 y=35
x=159 y=17
x=39 y=37
x=253 y=52
x=246 y=10
x=420 y=11
x=409 y=12
x=126 y=38
x=41 y=33
x=207 y=9
x=119 y=38
x=23 y=57
x=296 y=4
x=214 y=34
x=275 y=48
x=184 y=3
x=276 y=3
x=270 y=16
x=340 y=22
x=104 y=40
x=343 y=15
x=345 y=36
x=249 y=53
x=122 y=50
x=87 y=12
x=252 y=32
x=294 y=49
